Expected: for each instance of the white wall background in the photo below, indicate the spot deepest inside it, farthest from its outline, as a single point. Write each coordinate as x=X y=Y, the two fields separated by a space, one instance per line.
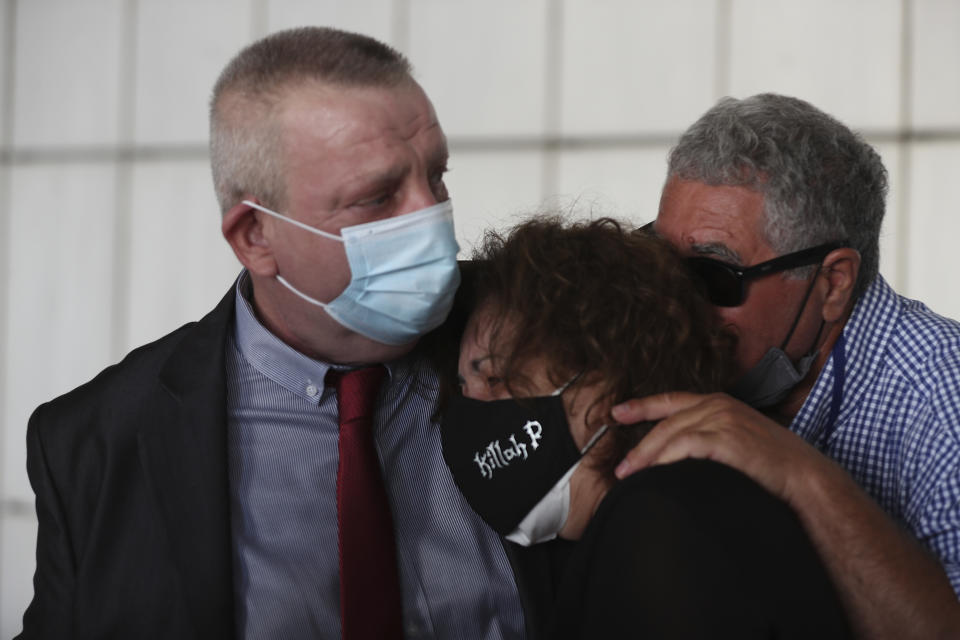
x=109 y=231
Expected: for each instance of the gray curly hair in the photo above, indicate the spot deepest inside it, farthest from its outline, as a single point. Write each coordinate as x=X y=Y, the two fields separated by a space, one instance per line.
x=821 y=182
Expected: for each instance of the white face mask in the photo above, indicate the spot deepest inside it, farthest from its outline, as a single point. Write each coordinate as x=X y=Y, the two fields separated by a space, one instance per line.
x=403 y=273
x=548 y=517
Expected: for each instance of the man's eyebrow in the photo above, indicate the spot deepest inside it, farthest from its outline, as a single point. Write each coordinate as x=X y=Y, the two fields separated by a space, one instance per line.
x=382 y=177
x=718 y=250
x=391 y=175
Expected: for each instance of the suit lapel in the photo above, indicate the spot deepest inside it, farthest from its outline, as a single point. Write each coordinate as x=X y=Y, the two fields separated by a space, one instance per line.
x=184 y=453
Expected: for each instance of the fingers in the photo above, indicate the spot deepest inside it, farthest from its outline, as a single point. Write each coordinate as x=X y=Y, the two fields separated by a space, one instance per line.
x=698 y=426
x=709 y=444
x=678 y=413
x=717 y=427
x=655 y=407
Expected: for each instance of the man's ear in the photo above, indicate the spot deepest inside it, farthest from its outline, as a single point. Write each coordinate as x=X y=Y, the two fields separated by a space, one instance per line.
x=242 y=226
x=841 y=268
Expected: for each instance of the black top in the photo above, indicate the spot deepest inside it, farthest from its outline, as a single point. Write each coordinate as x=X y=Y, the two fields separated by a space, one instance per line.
x=693 y=549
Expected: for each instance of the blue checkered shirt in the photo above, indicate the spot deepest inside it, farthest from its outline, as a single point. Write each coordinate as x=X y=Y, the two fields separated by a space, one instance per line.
x=897 y=426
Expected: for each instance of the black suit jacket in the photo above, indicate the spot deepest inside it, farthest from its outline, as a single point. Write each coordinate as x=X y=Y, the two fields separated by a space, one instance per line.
x=130 y=474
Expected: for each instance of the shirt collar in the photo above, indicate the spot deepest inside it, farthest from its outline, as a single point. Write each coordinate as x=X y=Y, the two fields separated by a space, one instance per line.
x=271 y=356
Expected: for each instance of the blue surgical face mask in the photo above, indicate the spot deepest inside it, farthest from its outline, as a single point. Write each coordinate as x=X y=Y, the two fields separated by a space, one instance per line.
x=403 y=273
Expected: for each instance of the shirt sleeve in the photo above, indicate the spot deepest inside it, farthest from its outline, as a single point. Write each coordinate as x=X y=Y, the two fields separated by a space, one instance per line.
x=932 y=471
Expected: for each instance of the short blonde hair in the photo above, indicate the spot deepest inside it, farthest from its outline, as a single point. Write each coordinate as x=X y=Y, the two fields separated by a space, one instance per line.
x=245 y=139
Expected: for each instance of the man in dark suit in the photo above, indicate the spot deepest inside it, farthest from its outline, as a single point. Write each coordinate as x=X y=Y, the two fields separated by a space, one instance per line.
x=191 y=491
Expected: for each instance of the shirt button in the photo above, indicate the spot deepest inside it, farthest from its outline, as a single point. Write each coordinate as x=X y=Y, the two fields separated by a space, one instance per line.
x=312 y=390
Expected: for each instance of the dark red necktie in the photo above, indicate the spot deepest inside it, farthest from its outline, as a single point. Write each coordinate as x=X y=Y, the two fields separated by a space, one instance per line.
x=370 y=605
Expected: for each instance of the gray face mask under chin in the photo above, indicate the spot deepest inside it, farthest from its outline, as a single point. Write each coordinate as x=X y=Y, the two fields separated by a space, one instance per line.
x=769 y=381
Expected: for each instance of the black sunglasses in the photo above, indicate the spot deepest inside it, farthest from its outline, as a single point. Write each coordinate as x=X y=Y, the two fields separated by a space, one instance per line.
x=725 y=284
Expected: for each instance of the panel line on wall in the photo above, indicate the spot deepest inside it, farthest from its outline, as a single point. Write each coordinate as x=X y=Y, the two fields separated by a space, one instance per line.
x=123 y=176
x=6 y=136
x=552 y=97
x=722 y=49
x=93 y=154
x=905 y=145
x=400 y=25
x=259 y=19
x=17 y=508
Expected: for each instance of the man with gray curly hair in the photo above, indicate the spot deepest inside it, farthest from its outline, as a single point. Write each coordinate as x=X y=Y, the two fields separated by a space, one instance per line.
x=778 y=208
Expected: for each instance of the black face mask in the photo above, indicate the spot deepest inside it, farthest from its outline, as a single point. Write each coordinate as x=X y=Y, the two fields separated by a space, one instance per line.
x=505 y=455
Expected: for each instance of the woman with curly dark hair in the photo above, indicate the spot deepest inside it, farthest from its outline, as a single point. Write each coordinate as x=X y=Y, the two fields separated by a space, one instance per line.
x=569 y=320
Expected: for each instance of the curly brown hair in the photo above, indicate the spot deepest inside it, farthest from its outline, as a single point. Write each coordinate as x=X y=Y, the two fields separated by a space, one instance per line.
x=610 y=305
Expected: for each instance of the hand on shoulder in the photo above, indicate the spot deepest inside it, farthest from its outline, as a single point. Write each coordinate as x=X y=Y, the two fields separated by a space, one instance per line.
x=718 y=427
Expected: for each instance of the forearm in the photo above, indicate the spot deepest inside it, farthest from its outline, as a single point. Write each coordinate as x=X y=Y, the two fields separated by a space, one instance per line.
x=890 y=585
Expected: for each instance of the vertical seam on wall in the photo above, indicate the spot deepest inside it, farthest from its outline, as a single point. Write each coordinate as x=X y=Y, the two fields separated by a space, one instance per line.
x=9 y=58
x=123 y=177
x=6 y=143
x=400 y=26
x=905 y=146
x=259 y=19
x=722 y=53
x=552 y=96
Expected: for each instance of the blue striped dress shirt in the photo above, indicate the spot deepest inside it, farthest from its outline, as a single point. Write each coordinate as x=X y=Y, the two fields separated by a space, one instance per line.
x=282 y=421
